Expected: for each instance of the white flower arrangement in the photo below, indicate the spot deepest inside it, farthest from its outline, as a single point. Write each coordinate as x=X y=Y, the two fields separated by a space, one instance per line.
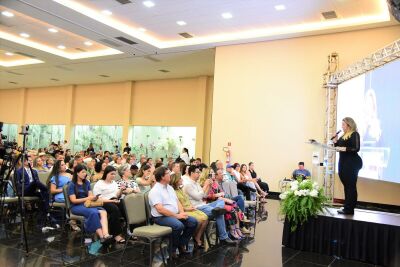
x=302 y=200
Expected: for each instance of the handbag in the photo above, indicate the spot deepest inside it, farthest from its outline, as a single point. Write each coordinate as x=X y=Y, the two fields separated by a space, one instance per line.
x=93 y=203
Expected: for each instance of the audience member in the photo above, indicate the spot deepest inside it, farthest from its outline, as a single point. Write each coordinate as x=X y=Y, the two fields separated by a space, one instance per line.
x=301 y=171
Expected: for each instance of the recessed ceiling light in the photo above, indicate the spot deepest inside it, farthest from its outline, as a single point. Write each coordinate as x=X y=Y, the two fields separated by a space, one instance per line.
x=7 y=14
x=148 y=3
x=87 y=43
x=280 y=7
x=107 y=12
x=9 y=54
x=181 y=23
x=142 y=29
x=25 y=35
x=61 y=47
x=227 y=15
x=53 y=30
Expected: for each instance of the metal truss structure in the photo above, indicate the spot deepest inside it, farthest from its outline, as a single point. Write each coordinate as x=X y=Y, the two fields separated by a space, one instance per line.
x=332 y=78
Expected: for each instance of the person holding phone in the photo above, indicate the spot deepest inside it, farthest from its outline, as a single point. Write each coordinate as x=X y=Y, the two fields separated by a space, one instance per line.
x=95 y=217
x=108 y=191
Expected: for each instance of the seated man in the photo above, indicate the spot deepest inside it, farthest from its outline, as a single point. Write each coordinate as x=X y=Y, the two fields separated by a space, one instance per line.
x=196 y=195
x=167 y=211
x=33 y=186
x=301 y=171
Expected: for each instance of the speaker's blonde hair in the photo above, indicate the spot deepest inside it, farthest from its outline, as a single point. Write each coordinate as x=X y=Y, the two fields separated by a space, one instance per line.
x=352 y=125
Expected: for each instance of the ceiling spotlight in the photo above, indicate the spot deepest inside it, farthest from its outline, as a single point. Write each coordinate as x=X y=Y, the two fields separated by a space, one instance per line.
x=7 y=14
x=9 y=54
x=148 y=3
x=25 y=35
x=53 y=30
x=280 y=7
x=107 y=12
x=227 y=15
x=142 y=29
x=87 y=43
x=61 y=47
x=181 y=23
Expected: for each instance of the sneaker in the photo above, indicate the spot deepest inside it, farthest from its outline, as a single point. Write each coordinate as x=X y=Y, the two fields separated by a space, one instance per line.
x=228 y=241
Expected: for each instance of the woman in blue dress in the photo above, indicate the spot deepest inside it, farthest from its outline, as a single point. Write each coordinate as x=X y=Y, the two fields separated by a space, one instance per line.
x=95 y=217
x=57 y=179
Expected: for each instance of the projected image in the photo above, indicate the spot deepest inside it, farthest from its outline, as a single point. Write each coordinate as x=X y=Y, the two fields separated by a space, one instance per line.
x=372 y=100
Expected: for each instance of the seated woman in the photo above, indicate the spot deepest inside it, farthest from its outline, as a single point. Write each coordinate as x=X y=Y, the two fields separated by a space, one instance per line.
x=126 y=180
x=57 y=179
x=49 y=163
x=202 y=219
x=99 y=168
x=145 y=178
x=95 y=217
x=263 y=185
x=244 y=177
x=108 y=191
x=38 y=165
x=90 y=169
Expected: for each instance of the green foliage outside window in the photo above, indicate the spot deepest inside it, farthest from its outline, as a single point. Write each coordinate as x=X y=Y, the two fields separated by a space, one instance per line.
x=162 y=141
x=102 y=137
x=41 y=135
x=11 y=131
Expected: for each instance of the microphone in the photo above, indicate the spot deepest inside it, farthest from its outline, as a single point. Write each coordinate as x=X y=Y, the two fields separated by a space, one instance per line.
x=336 y=134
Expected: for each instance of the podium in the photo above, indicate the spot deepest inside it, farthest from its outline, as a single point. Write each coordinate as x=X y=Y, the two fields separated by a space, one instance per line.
x=320 y=162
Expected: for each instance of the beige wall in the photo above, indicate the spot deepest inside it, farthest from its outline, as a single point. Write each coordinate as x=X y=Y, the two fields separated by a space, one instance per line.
x=268 y=101
x=174 y=102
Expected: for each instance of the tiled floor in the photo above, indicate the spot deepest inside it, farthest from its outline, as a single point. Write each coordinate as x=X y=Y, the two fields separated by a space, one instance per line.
x=56 y=249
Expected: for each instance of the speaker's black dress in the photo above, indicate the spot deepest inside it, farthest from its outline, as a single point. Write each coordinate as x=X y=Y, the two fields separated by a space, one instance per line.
x=350 y=164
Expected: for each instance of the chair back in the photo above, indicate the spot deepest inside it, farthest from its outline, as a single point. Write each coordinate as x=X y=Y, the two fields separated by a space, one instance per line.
x=135 y=208
x=92 y=186
x=147 y=206
x=43 y=177
x=66 y=197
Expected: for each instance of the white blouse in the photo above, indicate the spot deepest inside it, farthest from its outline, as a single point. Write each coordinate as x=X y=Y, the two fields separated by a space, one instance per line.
x=106 y=190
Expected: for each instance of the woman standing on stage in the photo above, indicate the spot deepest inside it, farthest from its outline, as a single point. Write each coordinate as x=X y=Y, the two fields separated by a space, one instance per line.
x=350 y=163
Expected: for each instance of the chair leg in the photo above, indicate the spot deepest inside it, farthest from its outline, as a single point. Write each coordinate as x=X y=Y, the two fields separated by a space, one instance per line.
x=162 y=252
x=151 y=253
x=126 y=245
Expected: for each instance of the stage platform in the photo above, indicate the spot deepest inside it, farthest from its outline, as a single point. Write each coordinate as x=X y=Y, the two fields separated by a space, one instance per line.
x=368 y=236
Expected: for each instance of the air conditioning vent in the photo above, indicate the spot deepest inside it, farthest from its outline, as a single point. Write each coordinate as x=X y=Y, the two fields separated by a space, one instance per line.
x=110 y=43
x=165 y=71
x=185 y=35
x=125 y=40
x=15 y=73
x=54 y=79
x=123 y=2
x=329 y=15
x=152 y=58
x=80 y=49
x=104 y=76
x=24 y=54
x=64 y=68
x=13 y=82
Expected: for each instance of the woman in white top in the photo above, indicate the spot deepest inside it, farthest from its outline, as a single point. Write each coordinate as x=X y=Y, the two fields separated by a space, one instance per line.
x=126 y=180
x=185 y=155
x=108 y=192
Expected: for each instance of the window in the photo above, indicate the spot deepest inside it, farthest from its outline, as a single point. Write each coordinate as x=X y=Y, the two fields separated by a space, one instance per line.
x=41 y=135
x=11 y=131
x=102 y=137
x=162 y=142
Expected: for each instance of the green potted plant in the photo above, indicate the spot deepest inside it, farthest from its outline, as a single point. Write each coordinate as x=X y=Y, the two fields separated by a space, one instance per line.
x=304 y=199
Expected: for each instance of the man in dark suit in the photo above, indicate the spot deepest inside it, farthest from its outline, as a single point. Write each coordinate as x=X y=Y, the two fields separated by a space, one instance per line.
x=32 y=185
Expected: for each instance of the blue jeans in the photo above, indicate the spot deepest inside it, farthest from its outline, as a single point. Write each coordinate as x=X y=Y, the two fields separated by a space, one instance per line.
x=207 y=209
x=240 y=202
x=182 y=230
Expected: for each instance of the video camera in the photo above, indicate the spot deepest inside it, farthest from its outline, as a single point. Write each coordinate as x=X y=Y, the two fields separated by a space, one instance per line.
x=6 y=147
